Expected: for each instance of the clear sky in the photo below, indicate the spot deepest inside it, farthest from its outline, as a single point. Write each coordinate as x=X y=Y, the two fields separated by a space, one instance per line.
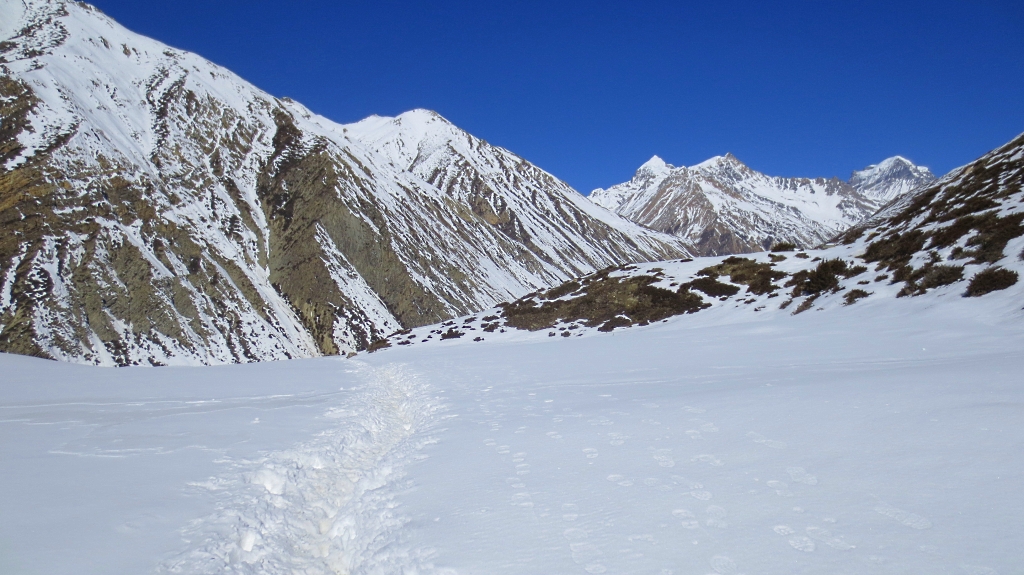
x=591 y=90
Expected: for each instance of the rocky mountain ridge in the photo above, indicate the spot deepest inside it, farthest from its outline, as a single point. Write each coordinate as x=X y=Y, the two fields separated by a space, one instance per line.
x=959 y=239
x=158 y=209
x=723 y=206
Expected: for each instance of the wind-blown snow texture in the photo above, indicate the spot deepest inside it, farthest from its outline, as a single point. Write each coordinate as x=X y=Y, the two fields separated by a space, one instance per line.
x=159 y=209
x=724 y=207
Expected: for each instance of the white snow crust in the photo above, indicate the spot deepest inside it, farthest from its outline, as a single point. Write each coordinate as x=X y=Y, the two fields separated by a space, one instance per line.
x=11 y=14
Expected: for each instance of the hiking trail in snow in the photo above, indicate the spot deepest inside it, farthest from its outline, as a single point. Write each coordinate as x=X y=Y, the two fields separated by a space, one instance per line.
x=327 y=505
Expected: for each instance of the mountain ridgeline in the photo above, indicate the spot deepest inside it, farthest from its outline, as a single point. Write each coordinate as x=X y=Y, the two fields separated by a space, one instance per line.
x=722 y=206
x=157 y=209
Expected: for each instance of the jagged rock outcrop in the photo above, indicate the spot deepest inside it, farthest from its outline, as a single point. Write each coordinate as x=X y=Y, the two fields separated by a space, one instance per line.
x=724 y=207
x=156 y=208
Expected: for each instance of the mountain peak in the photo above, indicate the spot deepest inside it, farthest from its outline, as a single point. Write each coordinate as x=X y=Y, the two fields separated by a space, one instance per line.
x=653 y=167
x=890 y=178
x=717 y=161
x=421 y=115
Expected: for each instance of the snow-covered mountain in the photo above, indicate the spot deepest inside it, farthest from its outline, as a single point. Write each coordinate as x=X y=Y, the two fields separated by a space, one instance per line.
x=157 y=208
x=962 y=235
x=892 y=178
x=724 y=207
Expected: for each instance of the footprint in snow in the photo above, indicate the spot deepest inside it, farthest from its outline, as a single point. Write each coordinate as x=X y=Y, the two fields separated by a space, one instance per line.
x=707 y=427
x=911 y=520
x=801 y=543
x=689 y=520
x=723 y=565
x=758 y=438
x=825 y=536
x=709 y=459
x=780 y=488
x=800 y=475
x=583 y=552
x=977 y=570
x=522 y=500
x=664 y=457
x=590 y=452
x=570 y=512
x=716 y=517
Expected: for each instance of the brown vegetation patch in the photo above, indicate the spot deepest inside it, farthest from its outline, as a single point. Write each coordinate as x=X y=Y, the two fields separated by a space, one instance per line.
x=895 y=250
x=990 y=280
x=930 y=276
x=993 y=233
x=378 y=345
x=758 y=277
x=852 y=296
x=823 y=278
x=605 y=302
x=711 y=287
x=452 y=333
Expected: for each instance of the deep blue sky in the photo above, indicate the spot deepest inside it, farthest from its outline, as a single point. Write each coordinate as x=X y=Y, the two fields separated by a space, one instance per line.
x=590 y=90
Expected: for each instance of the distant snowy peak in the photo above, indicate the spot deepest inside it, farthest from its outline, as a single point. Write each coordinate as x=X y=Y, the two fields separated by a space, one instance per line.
x=652 y=172
x=890 y=179
x=723 y=206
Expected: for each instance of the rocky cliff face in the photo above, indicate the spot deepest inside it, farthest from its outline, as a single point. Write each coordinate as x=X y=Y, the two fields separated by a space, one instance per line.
x=158 y=209
x=724 y=207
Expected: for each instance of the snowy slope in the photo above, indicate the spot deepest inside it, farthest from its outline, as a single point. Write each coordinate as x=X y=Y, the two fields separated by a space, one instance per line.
x=159 y=209
x=724 y=207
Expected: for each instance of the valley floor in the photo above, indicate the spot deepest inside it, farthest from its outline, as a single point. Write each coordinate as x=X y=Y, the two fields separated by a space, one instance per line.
x=880 y=438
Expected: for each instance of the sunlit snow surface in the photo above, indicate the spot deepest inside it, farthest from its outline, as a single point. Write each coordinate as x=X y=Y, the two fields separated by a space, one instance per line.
x=880 y=438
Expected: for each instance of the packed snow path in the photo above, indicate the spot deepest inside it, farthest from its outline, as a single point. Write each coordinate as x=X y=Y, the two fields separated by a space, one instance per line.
x=879 y=439
x=178 y=464
x=325 y=506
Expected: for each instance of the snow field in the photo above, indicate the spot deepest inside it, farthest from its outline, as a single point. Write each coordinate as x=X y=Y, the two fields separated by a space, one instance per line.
x=879 y=438
x=853 y=443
